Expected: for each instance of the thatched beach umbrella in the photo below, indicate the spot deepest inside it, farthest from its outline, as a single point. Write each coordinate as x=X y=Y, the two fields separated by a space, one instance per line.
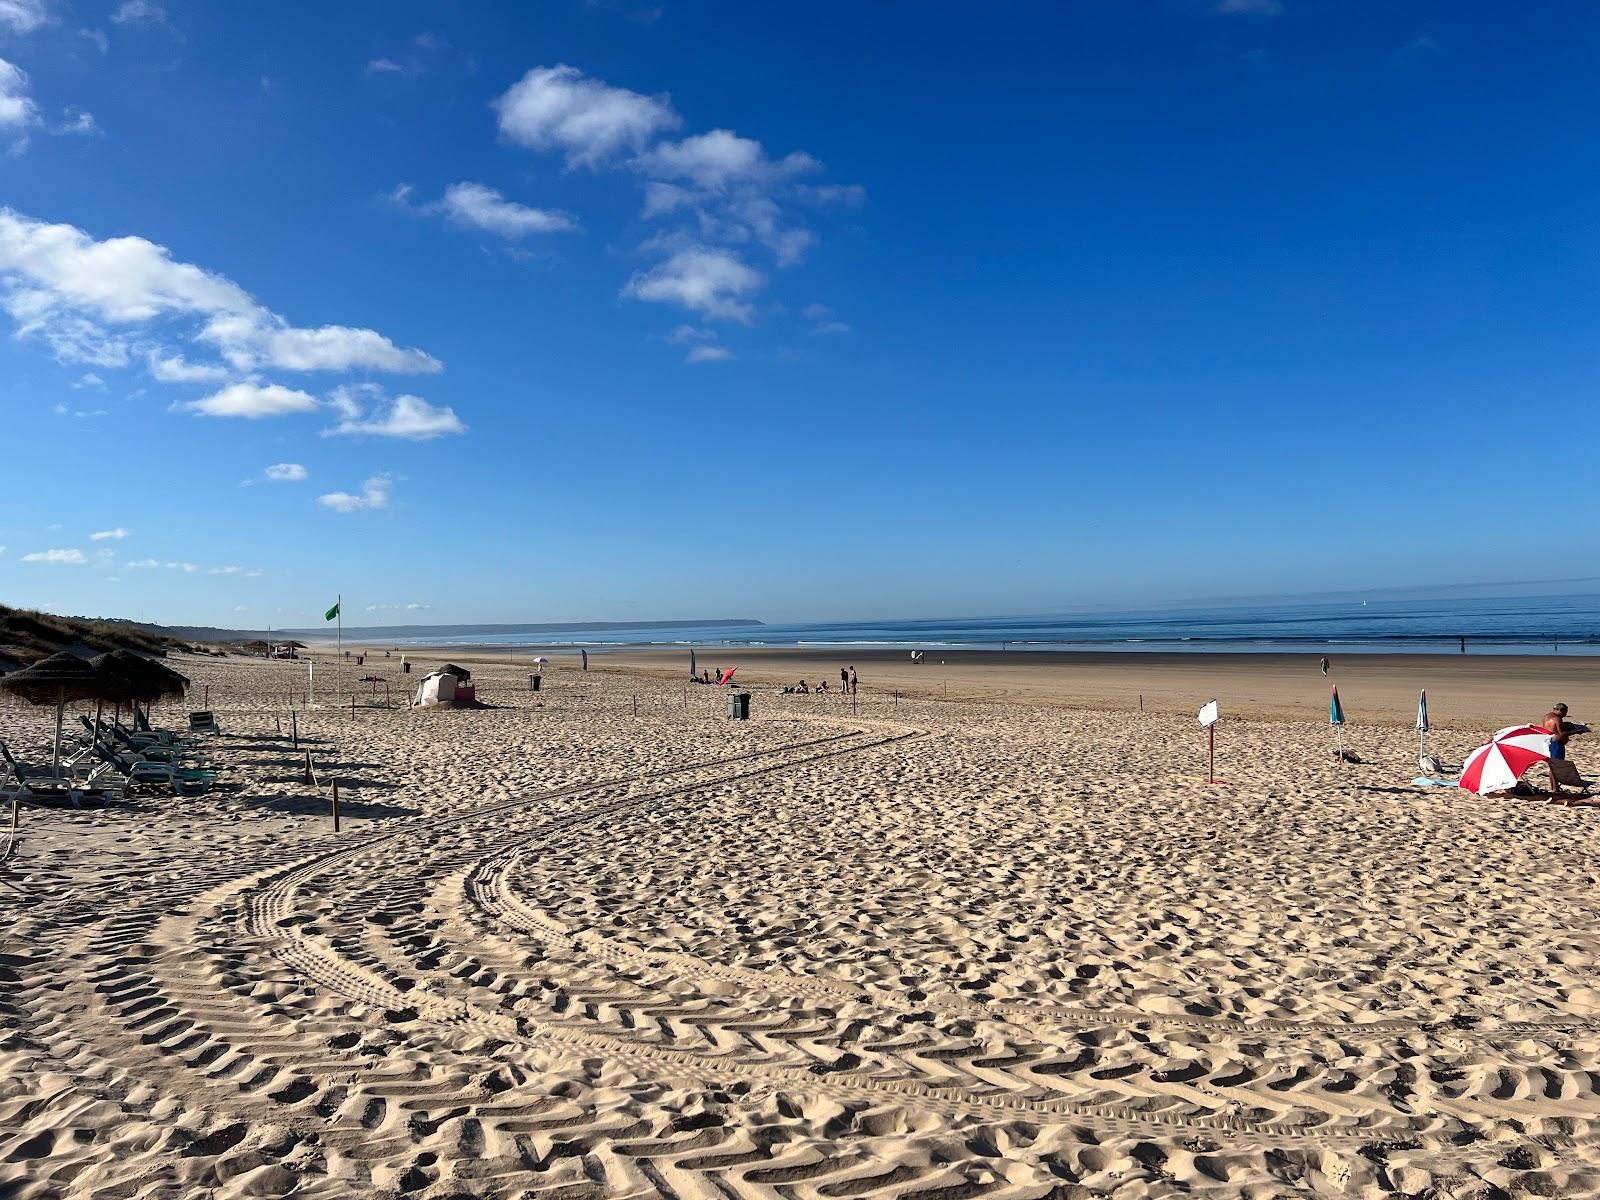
x=147 y=679
x=60 y=679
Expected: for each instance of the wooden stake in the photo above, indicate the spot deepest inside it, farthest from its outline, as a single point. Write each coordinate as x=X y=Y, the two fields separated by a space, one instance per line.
x=336 y=806
x=636 y=706
x=308 y=766
x=294 y=729
x=1141 y=702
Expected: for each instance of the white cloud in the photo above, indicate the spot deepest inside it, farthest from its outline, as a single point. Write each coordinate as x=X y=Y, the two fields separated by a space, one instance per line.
x=253 y=401
x=704 y=280
x=719 y=192
x=259 y=339
x=187 y=568
x=815 y=312
x=177 y=369
x=17 y=109
x=116 y=534
x=286 y=473
x=409 y=417
x=719 y=159
x=1263 y=8
x=142 y=563
x=132 y=12
x=73 y=557
x=226 y=571
x=22 y=16
x=374 y=494
x=61 y=284
x=476 y=206
x=386 y=66
x=848 y=194
x=89 y=379
x=409 y=607
x=97 y=36
x=701 y=354
x=560 y=108
x=685 y=334
x=76 y=121
x=663 y=198
x=830 y=327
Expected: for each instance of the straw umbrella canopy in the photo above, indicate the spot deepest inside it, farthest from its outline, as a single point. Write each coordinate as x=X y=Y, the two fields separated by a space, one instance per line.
x=62 y=679
x=148 y=680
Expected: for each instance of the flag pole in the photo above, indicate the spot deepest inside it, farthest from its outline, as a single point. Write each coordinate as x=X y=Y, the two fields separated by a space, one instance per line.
x=338 y=611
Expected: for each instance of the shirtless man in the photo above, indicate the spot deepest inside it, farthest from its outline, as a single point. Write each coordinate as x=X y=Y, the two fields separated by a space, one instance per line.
x=1555 y=724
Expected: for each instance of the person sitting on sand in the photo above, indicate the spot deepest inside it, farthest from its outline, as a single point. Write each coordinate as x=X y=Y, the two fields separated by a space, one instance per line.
x=804 y=688
x=822 y=688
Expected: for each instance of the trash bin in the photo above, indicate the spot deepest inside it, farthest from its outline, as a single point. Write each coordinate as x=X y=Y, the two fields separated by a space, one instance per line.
x=405 y=668
x=738 y=706
x=535 y=682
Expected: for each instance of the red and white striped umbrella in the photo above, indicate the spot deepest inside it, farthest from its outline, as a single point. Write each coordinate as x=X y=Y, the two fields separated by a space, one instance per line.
x=1497 y=765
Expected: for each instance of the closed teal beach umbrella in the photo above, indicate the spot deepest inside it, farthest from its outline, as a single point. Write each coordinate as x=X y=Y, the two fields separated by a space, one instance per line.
x=1422 y=726
x=1335 y=710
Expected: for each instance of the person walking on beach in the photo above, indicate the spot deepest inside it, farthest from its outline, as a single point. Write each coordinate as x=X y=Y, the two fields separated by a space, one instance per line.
x=844 y=680
x=1325 y=664
x=855 y=685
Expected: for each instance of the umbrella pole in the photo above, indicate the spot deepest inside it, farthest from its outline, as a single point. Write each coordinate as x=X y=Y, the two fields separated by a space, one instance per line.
x=55 y=758
x=1338 y=742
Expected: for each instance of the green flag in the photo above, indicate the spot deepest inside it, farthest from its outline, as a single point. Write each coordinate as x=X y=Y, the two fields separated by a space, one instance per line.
x=332 y=612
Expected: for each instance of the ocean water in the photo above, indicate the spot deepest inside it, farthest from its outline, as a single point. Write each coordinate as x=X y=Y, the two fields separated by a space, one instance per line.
x=1566 y=624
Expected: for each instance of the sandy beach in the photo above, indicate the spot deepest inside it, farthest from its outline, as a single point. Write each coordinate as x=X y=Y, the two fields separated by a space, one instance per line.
x=599 y=941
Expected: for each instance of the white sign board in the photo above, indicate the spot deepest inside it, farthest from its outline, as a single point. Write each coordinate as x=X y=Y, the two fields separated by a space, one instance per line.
x=1209 y=714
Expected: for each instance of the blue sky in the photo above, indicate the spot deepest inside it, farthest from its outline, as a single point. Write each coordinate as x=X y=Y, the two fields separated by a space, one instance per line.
x=611 y=310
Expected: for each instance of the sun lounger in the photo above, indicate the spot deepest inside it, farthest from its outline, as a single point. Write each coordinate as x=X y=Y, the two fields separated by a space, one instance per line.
x=204 y=722
x=140 y=770
x=1566 y=774
x=20 y=782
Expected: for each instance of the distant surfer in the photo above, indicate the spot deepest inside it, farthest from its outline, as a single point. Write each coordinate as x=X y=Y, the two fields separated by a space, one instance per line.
x=1325 y=664
x=1463 y=645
